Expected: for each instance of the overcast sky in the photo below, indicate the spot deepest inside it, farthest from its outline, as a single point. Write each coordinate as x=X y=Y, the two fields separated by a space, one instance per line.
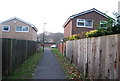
x=52 y=12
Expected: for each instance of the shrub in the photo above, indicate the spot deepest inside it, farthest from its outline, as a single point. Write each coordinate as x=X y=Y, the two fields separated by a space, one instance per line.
x=96 y=33
x=82 y=35
x=92 y=33
x=74 y=37
x=116 y=29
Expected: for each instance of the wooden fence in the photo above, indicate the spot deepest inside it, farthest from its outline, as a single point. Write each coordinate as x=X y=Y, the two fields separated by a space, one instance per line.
x=15 y=52
x=98 y=58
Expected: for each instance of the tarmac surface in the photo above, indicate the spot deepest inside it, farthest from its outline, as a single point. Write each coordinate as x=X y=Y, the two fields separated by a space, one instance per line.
x=48 y=67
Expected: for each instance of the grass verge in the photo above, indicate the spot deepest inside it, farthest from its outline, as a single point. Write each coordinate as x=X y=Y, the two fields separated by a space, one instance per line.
x=70 y=69
x=26 y=70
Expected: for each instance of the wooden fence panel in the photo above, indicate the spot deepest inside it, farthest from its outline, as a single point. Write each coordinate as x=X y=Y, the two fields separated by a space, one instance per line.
x=85 y=57
x=118 y=57
x=14 y=53
x=6 y=56
x=90 y=65
x=74 y=53
x=81 y=55
x=98 y=58
x=102 y=56
x=78 y=58
x=89 y=55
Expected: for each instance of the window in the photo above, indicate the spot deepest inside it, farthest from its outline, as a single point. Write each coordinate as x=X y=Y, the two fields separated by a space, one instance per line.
x=6 y=28
x=84 y=23
x=88 y=23
x=103 y=23
x=19 y=28
x=22 y=29
x=25 y=28
x=80 y=22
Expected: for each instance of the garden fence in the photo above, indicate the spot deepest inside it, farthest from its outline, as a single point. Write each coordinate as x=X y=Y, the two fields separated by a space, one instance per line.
x=96 y=57
x=15 y=52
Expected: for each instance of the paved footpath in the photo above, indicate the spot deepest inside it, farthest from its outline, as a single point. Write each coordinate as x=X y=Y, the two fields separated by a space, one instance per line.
x=48 y=67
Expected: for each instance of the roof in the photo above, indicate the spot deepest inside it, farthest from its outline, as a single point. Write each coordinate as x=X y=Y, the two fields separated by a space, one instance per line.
x=21 y=21
x=85 y=12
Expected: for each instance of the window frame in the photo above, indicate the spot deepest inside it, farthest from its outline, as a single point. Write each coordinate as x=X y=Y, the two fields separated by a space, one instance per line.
x=6 y=30
x=84 y=20
x=22 y=29
x=103 y=23
x=78 y=20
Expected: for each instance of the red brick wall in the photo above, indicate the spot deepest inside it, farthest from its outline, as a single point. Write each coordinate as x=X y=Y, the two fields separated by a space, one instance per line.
x=68 y=30
x=61 y=47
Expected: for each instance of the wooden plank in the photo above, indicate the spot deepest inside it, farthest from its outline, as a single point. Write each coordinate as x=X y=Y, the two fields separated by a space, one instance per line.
x=111 y=56
x=116 y=61
x=107 y=60
x=82 y=55
x=75 y=52
x=102 y=56
x=93 y=68
x=119 y=56
x=89 y=57
x=85 y=57
x=78 y=59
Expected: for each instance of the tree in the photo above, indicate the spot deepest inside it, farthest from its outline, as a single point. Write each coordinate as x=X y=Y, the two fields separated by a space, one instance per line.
x=50 y=37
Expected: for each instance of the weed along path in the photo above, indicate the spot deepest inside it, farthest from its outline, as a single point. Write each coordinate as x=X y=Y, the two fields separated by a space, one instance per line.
x=48 y=67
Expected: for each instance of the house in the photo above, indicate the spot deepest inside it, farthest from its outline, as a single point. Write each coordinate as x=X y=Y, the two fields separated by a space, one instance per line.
x=84 y=21
x=18 y=29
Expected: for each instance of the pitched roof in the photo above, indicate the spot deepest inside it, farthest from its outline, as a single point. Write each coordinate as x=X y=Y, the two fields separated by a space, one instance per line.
x=85 y=12
x=21 y=21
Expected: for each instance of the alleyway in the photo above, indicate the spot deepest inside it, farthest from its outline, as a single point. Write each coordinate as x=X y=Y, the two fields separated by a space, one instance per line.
x=48 y=67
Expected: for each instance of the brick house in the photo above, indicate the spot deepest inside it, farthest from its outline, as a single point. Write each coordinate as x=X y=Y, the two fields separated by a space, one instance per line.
x=83 y=22
x=18 y=29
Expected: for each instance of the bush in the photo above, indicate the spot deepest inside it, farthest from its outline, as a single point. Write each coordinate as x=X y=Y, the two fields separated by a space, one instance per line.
x=82 y=35
x=74 y=37
x=116 y=29
x=92 y=33
x=96 y=33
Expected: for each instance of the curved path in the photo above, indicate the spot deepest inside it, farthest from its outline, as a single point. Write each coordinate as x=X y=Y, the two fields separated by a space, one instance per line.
x=48 y=67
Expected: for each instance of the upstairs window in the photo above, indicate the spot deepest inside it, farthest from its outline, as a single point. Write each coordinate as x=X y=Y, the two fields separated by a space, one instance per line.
x=88 y=23
x=103 y=23
x=80 y=22
x=6 y=28
x=18 y=28
x=84 y=23
x=22 y=29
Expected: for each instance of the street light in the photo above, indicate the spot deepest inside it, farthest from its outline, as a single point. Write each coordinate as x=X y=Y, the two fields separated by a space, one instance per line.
x=43 y=34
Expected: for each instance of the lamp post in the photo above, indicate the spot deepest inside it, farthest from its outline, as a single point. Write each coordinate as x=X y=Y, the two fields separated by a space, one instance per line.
x=43 y=34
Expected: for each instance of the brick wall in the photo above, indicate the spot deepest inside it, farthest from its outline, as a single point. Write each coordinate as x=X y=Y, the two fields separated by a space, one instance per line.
x=68 y=30
x=62 y=48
